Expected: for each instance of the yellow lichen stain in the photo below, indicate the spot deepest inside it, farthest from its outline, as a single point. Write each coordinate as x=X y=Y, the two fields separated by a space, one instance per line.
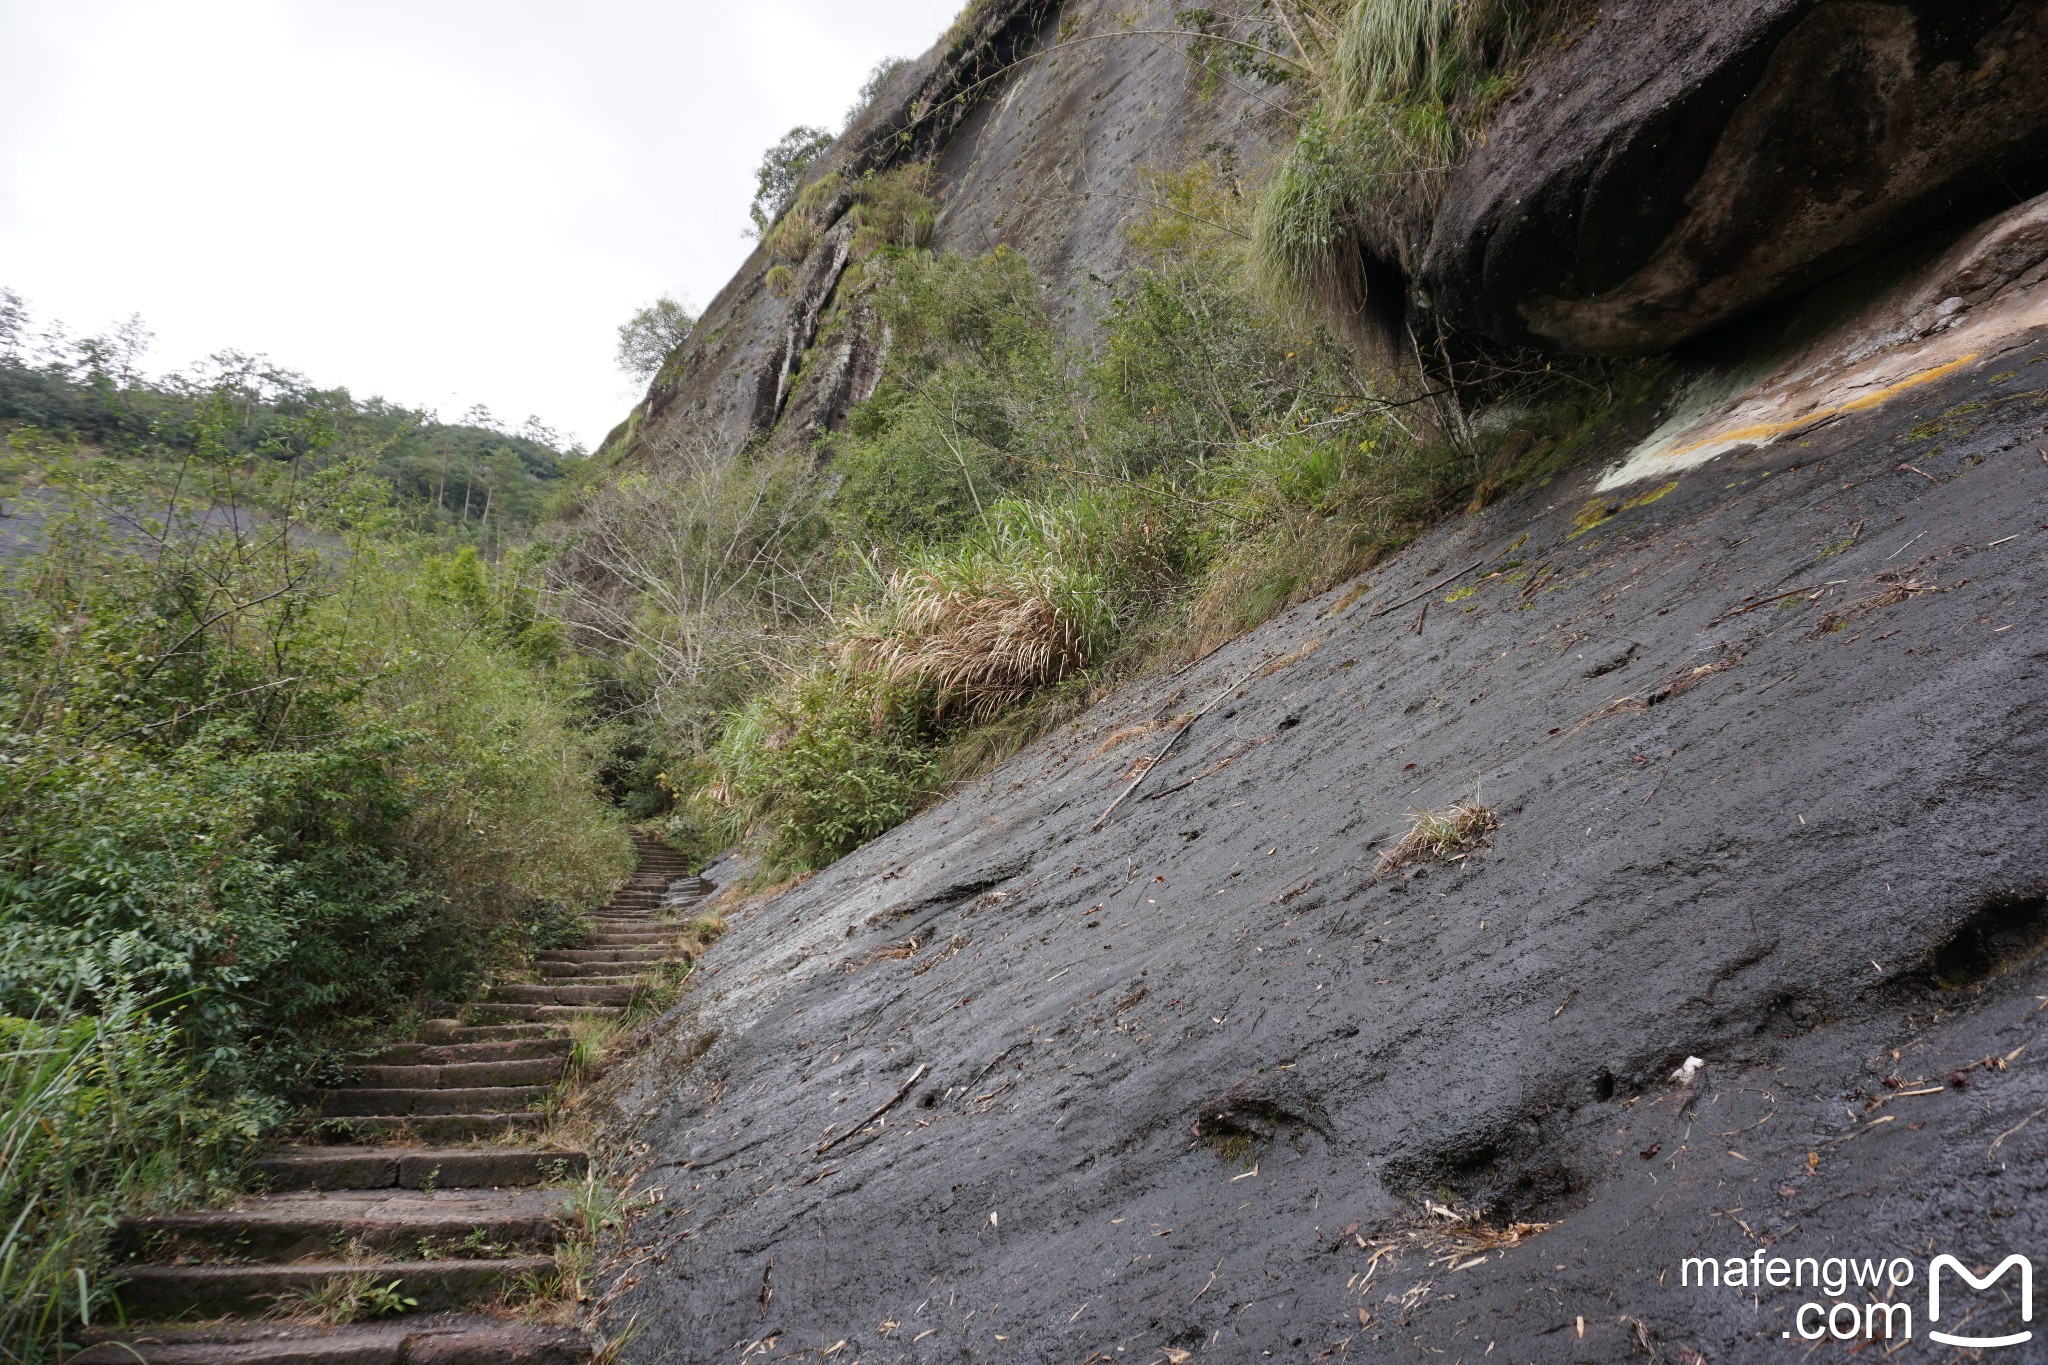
x=1600 y=510
x=1591 y=515
x=1763 y=432
x=1645 y=499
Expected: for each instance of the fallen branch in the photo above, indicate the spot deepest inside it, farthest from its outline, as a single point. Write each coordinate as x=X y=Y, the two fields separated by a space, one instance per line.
x=1442 y=582
x=882 y=1109
x=1167 y=747
x=1775 y=597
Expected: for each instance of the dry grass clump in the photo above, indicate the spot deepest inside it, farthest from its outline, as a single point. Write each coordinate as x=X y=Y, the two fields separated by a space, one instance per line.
x=980 y=626
x=1438 y=834
x=1451 y=1239
x=982 y=645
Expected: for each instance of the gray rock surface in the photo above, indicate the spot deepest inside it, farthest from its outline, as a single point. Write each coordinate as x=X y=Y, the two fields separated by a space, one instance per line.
x=1766 y=750
x=1685 y=161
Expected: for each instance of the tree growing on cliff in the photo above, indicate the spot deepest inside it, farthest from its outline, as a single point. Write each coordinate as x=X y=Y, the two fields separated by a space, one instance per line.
x=783 y=167
x=648 y=337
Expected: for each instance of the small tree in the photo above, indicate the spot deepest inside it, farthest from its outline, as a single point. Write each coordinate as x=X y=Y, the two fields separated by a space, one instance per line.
x=13 y=325
x=781 y=170
x=651 y=335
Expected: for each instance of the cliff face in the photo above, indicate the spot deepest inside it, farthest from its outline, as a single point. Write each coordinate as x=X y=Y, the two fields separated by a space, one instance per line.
x=1041 y=121
x=1682 y=164
x=1756 y=695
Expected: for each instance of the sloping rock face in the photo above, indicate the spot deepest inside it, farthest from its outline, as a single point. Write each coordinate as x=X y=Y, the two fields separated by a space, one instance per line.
x=1686 y=161
x=1042 y=121
x=1765 y=744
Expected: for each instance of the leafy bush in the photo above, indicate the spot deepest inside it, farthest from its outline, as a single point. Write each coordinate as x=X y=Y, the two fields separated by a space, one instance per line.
x=826 y=762
x=783 y=167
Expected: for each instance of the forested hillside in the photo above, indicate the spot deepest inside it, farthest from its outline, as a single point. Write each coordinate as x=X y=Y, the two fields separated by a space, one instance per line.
x=469 y=482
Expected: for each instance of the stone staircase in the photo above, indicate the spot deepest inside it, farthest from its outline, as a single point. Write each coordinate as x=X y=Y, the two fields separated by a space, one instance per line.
x=427 y=1175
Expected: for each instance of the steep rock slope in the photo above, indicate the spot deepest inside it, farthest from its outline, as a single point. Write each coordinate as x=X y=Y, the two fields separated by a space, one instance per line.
x=1765 y=743
x=1041 y=121
x=1756 y=697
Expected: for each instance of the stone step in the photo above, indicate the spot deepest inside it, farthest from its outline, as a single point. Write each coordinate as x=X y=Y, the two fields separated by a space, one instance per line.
x=648 y=936
x=415 y=1168
x=446 y=1054
x=633 y=955
x=360 y=1128
x=170 y=1291
x=482 y=1099
x=627 y=974
x=443 y=1224
x=501 y=1010
x=452 y=1031
x=459 y=1075
x=443 y=1340
x=614 y=969
x=516 y=993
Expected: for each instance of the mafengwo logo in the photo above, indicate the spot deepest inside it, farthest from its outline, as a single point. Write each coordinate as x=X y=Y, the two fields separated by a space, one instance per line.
x=2026 y=1302
x=1863 y=1299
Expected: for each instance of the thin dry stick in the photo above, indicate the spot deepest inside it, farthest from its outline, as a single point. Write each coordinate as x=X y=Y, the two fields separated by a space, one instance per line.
x=1442 y=582
x=1167 y=747
x=1776 y=597
x=1999 y=1141
x=882 y=1109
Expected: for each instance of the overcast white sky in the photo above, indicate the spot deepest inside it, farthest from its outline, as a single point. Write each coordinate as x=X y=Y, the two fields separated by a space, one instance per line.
x=445 y=202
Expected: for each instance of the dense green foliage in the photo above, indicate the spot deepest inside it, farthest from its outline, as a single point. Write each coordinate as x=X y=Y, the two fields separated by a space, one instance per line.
x=467 y=482
x=265 y=780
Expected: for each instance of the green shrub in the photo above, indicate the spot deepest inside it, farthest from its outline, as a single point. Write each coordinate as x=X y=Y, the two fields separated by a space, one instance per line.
x=98 y=1116
x=265 y=781
x=825 y=762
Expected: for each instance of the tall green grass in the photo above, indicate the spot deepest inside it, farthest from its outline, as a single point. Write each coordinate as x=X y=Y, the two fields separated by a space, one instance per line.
x=97 y=1117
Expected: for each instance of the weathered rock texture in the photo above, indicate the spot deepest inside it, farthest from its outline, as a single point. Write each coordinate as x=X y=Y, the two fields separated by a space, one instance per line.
x=1042 y=121
x=1764 y=737
x=1766 y=752
x=1683 y=163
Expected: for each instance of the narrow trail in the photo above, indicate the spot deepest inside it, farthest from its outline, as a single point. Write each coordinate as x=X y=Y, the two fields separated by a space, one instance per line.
x=434 y=1173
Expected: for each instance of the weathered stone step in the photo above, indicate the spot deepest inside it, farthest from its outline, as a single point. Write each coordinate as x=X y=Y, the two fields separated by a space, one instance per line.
x=442 y=1340
x=415 y=1168
x=452 y=1031
x=446 y=1054
x=458 y=1075
x=555 y=1013
x=516 y=993
x=614 y=969
x=634 y=955
x=425 y=1127
x=653 y=936
x=447 y=1224
x=170 y=1291
x=482 y=1099
x=627 y=974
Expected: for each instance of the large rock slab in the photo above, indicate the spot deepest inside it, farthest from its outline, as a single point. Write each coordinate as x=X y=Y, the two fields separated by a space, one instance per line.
x=1686 y=161
x=1765 y=741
